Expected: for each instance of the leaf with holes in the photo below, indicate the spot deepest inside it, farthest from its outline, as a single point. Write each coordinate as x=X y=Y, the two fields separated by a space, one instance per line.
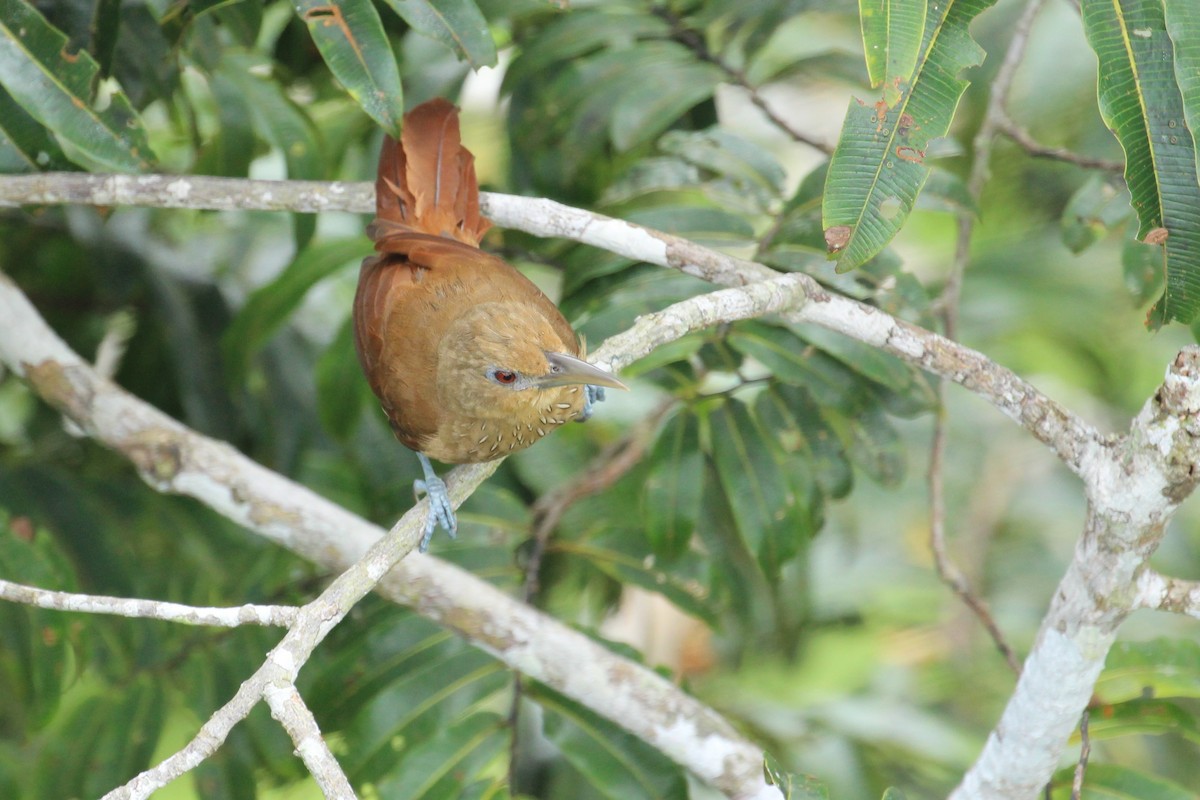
x=56 y=88
x=1141 y=103
x=879 y=167
x=351 y=39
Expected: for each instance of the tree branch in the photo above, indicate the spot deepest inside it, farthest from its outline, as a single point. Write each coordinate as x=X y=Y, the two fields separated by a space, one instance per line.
x=1161 y=593
x=281 y=616
x=1132 y=493
x=1069 y=437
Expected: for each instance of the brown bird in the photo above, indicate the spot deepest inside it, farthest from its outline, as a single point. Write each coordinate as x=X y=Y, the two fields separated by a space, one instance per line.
x=470 y=360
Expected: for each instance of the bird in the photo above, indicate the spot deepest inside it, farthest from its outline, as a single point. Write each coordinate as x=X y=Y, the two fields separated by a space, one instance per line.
x=469 y=359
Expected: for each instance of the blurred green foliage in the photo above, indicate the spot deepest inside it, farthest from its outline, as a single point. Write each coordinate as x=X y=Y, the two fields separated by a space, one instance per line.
x=814 y=619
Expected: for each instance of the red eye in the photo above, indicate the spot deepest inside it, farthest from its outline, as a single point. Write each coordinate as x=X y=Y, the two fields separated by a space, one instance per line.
x=505 y=377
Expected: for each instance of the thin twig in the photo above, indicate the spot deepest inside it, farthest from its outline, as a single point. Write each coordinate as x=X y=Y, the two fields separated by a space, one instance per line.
x=694 y=41
x=281 y=616
x=1033 y=147
x=1085 y=751
x=947 y=305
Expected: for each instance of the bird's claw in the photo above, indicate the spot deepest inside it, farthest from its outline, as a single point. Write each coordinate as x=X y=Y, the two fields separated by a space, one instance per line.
x=441 y=510
x=591 y=396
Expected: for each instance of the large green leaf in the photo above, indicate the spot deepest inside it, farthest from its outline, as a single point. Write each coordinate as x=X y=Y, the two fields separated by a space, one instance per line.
x=892 y=31
x=458 y=24
x=771 y=509
x=1143 y=717
x=1140 y=101
x=441 y=765
x=56 y=87
x=671 y=497
x=1161 y=668
x=351 y=39
x=1116 y=782
x=879 y=166
x=616 y=763
x=25 y=146
x=271 y=304
x=1183 y=26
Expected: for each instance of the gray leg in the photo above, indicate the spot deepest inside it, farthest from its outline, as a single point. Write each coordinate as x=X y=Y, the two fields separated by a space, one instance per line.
x=591 y=396
x=441 y=512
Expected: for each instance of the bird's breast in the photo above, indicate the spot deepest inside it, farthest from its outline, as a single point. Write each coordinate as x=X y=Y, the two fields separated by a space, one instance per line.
x=466 y=440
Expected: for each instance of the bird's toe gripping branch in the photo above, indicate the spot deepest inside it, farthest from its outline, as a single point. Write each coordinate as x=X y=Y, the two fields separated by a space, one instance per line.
x=592 y=395
x=441 y=511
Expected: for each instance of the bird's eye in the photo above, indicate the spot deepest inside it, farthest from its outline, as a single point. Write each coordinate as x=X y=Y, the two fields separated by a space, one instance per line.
x=504 y=376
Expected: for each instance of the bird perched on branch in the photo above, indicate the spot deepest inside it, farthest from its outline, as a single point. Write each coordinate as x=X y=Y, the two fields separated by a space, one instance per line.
x=470 y=360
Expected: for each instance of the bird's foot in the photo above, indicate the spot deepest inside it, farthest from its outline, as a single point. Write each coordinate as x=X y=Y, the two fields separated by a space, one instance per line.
x=591 y=396
x=441 y=511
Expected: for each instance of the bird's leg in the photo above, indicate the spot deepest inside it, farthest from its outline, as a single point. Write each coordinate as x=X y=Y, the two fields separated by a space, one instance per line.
x=441 y=512
x=591 y=396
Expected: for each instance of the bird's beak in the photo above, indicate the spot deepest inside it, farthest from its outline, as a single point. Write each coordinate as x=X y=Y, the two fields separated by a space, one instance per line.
x=566 y=370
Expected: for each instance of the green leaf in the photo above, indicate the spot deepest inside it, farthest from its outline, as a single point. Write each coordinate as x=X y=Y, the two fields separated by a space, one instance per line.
x=271 y=304
x=1141 y=103
x=351 y=39
x=231 y=150
x=1095 y=209
x=892 y=31
x=1143 y=717
x=341 y=391
x=440 y=766
x=770 y=509
x=56 y=88
x=793 y=786
x=879 y=166
x=1115 y=782
x=25 y=146
x=277 y=119
x=1157 y=668
x=628 y=569
x=458 y=24
x=798 y=425
x=671 y=494
x=664 y=93
x=1183 y=26
x=615 y=763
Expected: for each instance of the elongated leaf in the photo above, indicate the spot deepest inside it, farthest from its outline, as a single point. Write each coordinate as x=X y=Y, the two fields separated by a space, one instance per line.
x=892 y=31
x=270 y=305
x=1144 y=717
x=278 y=120
x=878 y=167
x=1140 y=101
x=230 y=152
x=796 y=421
x=770 y=511
x=458 y=24
x=671 y=498
x=341 y=391
x=351 y=39
x=441 y=765
x=25 y=146
x=1116 y=782
x=681 y=590
x=616 y=763
x=1161 y=667
x=1183 y=26
x=55 y=87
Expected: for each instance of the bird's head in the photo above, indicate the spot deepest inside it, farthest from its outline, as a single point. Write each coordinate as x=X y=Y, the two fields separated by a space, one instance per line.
x=500 y=357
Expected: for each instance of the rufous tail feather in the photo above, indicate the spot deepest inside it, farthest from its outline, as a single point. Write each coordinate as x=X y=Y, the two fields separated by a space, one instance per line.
x=426 y=181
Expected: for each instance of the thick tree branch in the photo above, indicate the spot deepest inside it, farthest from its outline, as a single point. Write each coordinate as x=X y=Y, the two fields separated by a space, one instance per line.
x=175 y=459
x=281 y=616
x=1161 y=593
x=1132 y=493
